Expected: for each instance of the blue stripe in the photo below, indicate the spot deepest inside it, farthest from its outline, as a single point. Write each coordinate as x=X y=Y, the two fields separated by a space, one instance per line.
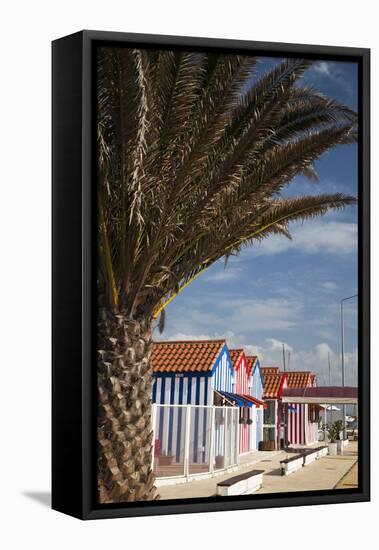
x=197 y=401
x=155 y=382
x=163 y=390
x=179 y=431
x=189 y=390
x=172 y=392
x=181 y=383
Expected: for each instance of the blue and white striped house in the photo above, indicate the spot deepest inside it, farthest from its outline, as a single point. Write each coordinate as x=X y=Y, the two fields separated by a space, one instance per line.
x=189 y=373
x=256 y=391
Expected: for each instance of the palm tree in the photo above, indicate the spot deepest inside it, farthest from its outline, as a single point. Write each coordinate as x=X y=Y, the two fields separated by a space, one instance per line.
x=194 y=151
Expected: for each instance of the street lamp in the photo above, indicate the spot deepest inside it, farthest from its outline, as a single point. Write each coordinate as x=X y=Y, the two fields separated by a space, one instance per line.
x=343 y=358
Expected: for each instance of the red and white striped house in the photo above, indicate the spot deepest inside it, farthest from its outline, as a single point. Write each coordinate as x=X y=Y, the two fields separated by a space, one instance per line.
x=273 y=382
x=241 y=386
x=248 y=384
x=289 y=423
x=301 y=420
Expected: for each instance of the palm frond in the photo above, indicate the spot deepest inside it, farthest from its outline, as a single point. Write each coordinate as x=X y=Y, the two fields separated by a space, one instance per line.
x=194 y=151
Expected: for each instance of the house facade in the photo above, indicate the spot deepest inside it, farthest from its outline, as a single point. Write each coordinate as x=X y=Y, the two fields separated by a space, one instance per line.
x=289 y=424
x=301 y=420
x=191 y=384
x=256 y=391
x=208 y=405
x=241 y=386
x=274 y=382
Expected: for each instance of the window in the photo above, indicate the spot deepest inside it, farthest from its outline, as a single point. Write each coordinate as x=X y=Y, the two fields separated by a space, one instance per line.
x=244 y=415
x=269 y=413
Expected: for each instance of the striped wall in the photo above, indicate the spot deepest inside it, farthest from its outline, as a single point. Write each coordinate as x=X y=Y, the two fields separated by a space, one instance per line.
x=242 y=379
x=257 y=382
x=301 y=430
x=259 y=428
x=295 y=426
x=222 y=379
x=187 y=389
x=183 y=389
x=222 y=372
x=256 y=390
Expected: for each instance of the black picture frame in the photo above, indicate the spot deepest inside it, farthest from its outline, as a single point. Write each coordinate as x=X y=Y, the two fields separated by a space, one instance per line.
x=74 y=239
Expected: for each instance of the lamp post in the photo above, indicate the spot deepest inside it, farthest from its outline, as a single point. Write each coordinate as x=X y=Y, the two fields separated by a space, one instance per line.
x=343 y=358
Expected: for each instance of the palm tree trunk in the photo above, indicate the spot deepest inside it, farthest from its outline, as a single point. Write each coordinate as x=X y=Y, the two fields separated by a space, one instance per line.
x=124 y=408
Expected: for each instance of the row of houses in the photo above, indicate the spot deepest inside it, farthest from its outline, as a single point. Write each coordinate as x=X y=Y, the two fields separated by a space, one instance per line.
x=213 y=404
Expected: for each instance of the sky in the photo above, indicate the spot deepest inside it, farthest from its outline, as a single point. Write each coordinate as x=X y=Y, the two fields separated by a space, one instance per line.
x=288 y=292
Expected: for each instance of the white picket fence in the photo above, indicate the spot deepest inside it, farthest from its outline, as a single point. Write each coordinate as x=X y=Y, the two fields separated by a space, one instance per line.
x=194 y=440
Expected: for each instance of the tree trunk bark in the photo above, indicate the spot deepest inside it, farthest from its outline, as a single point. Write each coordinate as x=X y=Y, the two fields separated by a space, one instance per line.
x=124 y=409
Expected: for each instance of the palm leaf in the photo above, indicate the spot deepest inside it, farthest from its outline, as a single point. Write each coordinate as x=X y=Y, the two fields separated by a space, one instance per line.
x=194 y=152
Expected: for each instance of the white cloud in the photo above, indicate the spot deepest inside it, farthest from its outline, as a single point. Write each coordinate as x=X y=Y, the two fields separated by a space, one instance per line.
x=329 y=285
x=231 y=317
x=244 y=314
x=323 y=350
x=183 y=336
x=333 y=72
x=323 y=67
x=270 y=353
x=316 y=360
x=318 y=237
x=228 y=274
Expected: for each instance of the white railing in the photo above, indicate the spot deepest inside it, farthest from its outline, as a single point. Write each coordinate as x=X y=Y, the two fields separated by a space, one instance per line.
x=193 y=440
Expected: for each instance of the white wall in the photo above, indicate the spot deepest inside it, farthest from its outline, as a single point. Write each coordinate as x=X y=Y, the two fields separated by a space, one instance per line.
x=27 y=28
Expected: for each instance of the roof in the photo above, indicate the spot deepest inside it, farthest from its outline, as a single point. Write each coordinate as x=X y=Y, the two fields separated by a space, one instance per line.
x=235 y=356
x=186 y=356
x=273 y=384
x=251 y=361
x=300 y=379
x=269 y=370
x=321 y=394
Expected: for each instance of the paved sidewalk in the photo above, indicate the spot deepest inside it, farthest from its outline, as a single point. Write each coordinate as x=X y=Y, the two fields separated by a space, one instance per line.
x=349 y=480
x=325 y=473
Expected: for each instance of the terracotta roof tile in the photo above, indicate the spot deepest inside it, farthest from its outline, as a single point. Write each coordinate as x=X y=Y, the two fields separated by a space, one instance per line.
x=235 y=356
x=272 y=383
x=186 y=356
x=251 y=360
x=300 y=379
x=269 y=370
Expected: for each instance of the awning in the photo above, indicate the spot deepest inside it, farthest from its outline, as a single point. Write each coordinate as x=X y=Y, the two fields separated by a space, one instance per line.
x=342 y=395
x=241 y=400
x=257 y=402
